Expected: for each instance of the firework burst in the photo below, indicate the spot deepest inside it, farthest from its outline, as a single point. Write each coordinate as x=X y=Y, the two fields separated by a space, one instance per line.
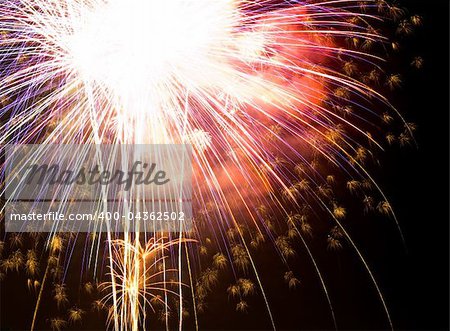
x=263 y=90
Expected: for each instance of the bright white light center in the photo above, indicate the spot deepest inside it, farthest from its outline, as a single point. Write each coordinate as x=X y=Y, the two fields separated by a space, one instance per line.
x=131 y=45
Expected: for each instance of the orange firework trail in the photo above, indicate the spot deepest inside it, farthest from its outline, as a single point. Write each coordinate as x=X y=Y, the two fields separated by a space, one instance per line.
x=137 y=284
x=257 y=87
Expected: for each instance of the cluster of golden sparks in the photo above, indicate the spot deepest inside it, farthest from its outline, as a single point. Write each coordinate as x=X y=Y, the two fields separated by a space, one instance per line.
x=254 y=86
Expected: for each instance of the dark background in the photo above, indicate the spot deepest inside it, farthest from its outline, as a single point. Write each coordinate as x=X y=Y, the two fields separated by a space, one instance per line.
x=416 y=179
x=418 y=183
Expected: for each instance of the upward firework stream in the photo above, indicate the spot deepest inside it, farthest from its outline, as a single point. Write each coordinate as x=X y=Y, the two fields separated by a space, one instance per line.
x=255 y=86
